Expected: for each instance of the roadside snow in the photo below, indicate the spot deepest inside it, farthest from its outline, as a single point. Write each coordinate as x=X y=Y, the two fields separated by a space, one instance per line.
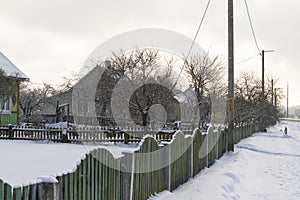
x=264 y=166
x=24 y=162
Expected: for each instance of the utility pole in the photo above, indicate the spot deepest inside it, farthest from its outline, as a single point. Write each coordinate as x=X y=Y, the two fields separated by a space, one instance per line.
x=262 y=119
x=230 y=105
x=275 y=98
x=272 y=91
x=287 y=101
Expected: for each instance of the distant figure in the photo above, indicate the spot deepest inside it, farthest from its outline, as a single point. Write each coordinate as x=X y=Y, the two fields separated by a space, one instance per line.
x=285 y=131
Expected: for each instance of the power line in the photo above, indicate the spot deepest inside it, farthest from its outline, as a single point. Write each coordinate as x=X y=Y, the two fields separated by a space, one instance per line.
x=194 y=39
x=251 y=25
x=247 y=59
x=34 y=83
x=200 y=24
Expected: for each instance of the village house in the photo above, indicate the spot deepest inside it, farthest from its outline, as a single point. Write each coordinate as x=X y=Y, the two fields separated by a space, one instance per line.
x=10 y=79
x=60 y=107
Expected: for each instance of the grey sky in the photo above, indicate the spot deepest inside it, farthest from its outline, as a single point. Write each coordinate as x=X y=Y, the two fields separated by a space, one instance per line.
x=50 y=39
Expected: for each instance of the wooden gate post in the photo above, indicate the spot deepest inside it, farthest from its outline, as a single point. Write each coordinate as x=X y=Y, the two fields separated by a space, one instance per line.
x=126 y=178
x=48 y=188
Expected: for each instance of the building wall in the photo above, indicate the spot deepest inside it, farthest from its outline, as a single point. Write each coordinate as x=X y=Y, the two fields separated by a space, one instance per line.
x=10 y=116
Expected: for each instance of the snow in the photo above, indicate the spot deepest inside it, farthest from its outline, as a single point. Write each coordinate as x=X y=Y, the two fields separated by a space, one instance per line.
x=59 y=125
x=10 y=69
x=264 y=166
x=47 y=179
x=25 y=162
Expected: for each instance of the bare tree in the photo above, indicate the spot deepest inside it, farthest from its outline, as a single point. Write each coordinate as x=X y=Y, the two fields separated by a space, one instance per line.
x=144 y=67
x=248 y=101
x=247 y=98
x=143 y=75
x=68 y=83
x=204 y=73
x=32 y=98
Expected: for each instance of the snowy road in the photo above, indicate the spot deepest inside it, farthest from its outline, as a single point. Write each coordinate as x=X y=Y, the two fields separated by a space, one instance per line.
x=264 y=166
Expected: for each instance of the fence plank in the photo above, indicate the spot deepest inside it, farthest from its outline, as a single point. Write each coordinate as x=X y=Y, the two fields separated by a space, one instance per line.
x=66 y=186
x=7 y=192
x=1 y=190
x=88 y=185
x=92 y=176
x=96 y=178
x=75 y=185
x=79 y=181
x=71 y=186
x=17 y=193
x=25 y=193
x=84 y=179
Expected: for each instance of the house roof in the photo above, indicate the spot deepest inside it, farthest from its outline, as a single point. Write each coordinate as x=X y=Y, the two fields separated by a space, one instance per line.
x=10 y=69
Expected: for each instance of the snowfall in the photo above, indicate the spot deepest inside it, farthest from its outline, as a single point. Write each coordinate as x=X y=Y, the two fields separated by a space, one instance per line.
x=263 y=166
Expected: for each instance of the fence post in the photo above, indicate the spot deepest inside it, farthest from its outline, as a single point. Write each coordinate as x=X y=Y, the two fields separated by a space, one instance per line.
x=1 y=189
x=7 y=192
x=191 y=157
x=17 y=193
x=126 y=138
x=48 y=188
x=10 y=131
x=126 y=170
x=64 y=135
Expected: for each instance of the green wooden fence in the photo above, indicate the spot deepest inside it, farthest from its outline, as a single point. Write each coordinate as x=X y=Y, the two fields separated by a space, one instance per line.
x=137 y=175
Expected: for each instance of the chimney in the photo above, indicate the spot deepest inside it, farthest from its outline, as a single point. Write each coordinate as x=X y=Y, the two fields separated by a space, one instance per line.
x=107 y=64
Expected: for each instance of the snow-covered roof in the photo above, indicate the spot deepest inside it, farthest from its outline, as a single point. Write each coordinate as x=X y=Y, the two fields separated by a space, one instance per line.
x=10 y=69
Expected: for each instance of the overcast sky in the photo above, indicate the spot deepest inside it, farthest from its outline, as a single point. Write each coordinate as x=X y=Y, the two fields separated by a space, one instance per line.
x=50 y=39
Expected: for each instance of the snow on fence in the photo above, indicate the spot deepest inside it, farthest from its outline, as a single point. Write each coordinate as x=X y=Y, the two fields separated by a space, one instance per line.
x=136 y=175
x=83 y=134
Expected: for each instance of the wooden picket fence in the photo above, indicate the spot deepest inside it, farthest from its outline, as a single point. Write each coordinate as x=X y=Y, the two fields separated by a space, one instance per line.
x=150 y=169
x=82 y=134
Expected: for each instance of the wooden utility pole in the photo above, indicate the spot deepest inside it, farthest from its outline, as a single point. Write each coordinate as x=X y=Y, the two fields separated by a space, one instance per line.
x=275 y=98
x=272 y=91
x=263 y=100
x=230 y=105
x=287 y=101
x=263 y=75
x=262 y=114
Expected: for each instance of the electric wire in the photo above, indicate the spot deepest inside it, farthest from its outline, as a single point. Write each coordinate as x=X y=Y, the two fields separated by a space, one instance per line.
x=247 y=59
x=194 y=39
x=251 y=25
x=199 y=27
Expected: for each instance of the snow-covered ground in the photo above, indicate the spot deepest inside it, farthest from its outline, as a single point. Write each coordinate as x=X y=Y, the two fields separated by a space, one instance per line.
x=264 y=166
x=24 y=162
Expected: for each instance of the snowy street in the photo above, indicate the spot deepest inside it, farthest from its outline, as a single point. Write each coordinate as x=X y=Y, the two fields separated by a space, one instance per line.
x=264 y=166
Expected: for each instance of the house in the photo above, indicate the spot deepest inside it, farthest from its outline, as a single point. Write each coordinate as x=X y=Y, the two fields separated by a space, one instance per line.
x=93 y=96
x=58 y=108
x=10 y=79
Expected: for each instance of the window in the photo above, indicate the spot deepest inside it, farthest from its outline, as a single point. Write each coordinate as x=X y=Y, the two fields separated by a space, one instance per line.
x=5 y=104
